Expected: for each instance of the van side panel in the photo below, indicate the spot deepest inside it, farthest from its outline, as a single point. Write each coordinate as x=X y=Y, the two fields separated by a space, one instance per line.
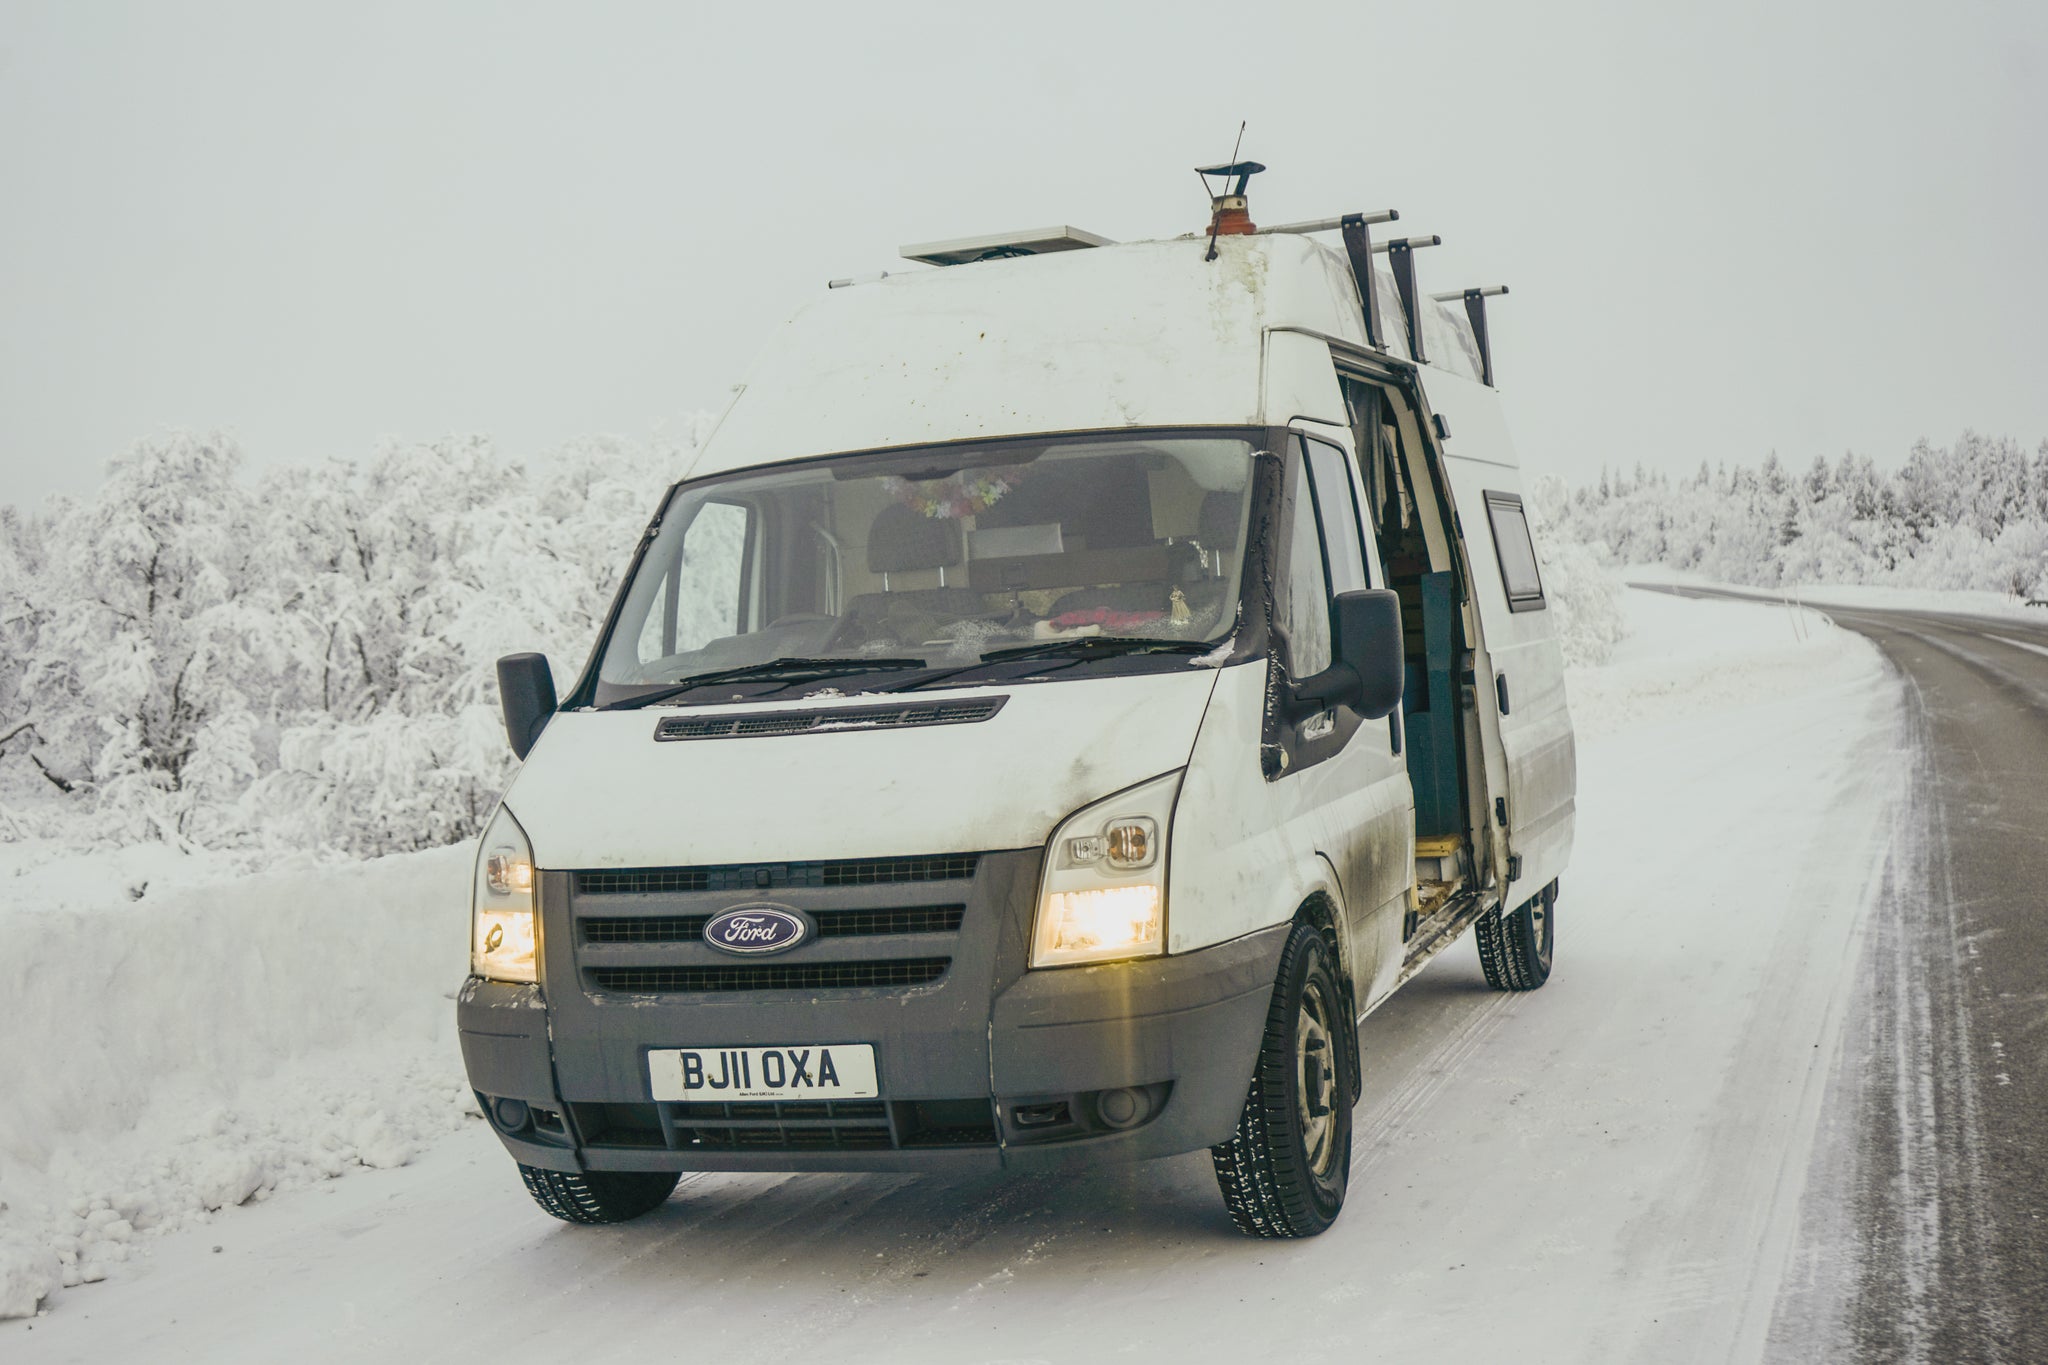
x=1301 y=382
x=1243 y=854
x=1364 y=793
x=1521 y=646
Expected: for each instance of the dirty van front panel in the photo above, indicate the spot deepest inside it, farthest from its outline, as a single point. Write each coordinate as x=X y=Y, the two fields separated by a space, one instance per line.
x=904 y=955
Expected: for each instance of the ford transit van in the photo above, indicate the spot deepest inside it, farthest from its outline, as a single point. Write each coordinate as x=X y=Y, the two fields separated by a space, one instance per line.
x=1074 y=684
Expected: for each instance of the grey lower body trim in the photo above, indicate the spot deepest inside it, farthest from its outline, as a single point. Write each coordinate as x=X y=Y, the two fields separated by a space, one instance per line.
x=1194 y=1019
x=1185 y=1030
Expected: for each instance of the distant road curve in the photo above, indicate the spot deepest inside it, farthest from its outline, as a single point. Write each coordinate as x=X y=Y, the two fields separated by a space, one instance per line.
x=1925 y=1229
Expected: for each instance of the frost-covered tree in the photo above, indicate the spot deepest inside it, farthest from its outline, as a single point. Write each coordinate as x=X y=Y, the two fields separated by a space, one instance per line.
x=1962 y=516
x=414 y=573
x=150 y=673
x=307 y=662
x=1819 y=480
x=1585 y=596
x=22 y=614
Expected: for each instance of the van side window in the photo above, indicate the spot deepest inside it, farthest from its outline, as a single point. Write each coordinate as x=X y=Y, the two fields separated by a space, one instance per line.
x=1305 y=615
x=702 y=596
x=1516 y=552
x=1337 y=510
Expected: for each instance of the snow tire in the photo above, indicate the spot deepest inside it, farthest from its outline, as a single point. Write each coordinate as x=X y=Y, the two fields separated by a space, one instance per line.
x=1515 y=948
x=598 y=1196
x=1284 y=1172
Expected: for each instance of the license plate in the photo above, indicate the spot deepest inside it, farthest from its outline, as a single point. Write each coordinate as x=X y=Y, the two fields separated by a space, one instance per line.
x=714 y=1075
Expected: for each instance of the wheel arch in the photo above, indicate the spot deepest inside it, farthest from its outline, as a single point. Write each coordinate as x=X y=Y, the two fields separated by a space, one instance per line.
x=1322 y=909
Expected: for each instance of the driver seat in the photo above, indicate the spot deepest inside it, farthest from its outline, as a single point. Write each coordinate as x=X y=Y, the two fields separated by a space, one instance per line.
x=904 y=540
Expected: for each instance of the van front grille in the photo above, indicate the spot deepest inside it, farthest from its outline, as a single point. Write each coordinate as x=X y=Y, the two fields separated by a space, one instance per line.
x=918 y=919
x=776 y=976
x=880 y=923
x=648 y=881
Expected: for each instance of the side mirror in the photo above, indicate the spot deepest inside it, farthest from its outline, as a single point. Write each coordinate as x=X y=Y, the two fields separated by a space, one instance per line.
x=1366 y=674
x=526 y=688
x=1368 y=642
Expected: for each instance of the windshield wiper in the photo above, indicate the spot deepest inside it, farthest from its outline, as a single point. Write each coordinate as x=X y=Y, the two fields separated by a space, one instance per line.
x=790 y=669
x=1098 y=646
x=1075 y=650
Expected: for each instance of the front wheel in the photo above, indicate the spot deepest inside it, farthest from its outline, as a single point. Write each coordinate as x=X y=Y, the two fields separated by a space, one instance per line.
x=598 y=1196
x=1515 y=949
x=1284 y=1172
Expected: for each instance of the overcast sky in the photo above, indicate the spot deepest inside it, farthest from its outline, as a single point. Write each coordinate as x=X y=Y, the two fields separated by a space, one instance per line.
x=1791 y=226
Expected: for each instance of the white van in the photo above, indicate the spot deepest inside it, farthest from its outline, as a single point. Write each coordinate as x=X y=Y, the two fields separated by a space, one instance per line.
x=1071 y=688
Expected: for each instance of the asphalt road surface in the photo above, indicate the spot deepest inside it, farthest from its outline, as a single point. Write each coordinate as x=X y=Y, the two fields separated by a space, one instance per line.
x=1925 y=1231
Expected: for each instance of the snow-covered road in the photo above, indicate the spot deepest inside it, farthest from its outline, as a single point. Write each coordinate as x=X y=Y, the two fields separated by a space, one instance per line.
x=1607 y=1169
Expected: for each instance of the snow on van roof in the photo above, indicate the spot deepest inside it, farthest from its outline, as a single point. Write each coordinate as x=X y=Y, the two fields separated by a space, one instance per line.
x=1127 y=335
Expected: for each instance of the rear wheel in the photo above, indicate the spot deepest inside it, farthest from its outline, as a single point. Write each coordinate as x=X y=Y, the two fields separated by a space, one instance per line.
x=1284 y=1172
x=598 y=1196
x=1515 y=948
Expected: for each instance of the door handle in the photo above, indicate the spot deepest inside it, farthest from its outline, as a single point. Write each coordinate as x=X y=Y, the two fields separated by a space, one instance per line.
x=1500 y=691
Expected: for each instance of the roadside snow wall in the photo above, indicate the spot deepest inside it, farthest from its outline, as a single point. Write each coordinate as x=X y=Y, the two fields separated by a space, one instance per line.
x=170 y=1056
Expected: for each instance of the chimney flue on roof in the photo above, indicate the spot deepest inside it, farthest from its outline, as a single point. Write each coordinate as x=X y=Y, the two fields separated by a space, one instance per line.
x=1229 y=211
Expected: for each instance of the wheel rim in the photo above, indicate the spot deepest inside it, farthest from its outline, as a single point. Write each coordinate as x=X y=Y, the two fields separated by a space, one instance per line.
x=1540 y=927
x=1315 y=1063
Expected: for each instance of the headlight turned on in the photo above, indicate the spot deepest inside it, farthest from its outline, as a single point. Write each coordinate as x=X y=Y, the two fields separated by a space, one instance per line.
x=501 y=943
x=1103 y=896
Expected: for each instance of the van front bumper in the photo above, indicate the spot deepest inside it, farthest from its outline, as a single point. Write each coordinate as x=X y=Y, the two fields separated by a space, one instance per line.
x=1077 y=1064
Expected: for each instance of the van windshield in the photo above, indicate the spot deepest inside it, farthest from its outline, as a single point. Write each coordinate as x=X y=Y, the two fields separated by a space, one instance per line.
x=934 y=559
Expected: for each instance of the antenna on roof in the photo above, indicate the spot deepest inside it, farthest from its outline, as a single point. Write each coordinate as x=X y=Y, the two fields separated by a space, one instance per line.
x=1475 y=312
x=1228 y=209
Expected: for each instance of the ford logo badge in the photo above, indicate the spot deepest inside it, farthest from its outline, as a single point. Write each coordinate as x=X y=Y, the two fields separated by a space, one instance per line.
x=757 y=929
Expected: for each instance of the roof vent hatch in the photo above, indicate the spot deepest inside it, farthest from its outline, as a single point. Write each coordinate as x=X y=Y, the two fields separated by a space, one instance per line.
x=996 y=246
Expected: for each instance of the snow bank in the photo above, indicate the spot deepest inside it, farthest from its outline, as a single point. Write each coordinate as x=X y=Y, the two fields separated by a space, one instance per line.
x=1965 y=601
x=186 y=1051
x=1695 y=656
x=1954 y=601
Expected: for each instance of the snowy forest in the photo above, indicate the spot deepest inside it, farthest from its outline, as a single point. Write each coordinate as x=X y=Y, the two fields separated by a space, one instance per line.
x=304 y=662
x=1970 y=515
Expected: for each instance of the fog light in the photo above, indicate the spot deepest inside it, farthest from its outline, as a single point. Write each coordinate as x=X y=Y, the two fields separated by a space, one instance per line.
x=1120 y=1108
x=511 y=1114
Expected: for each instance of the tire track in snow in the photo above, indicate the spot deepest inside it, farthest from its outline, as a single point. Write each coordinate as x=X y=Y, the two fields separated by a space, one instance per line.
x=1386 y=1123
